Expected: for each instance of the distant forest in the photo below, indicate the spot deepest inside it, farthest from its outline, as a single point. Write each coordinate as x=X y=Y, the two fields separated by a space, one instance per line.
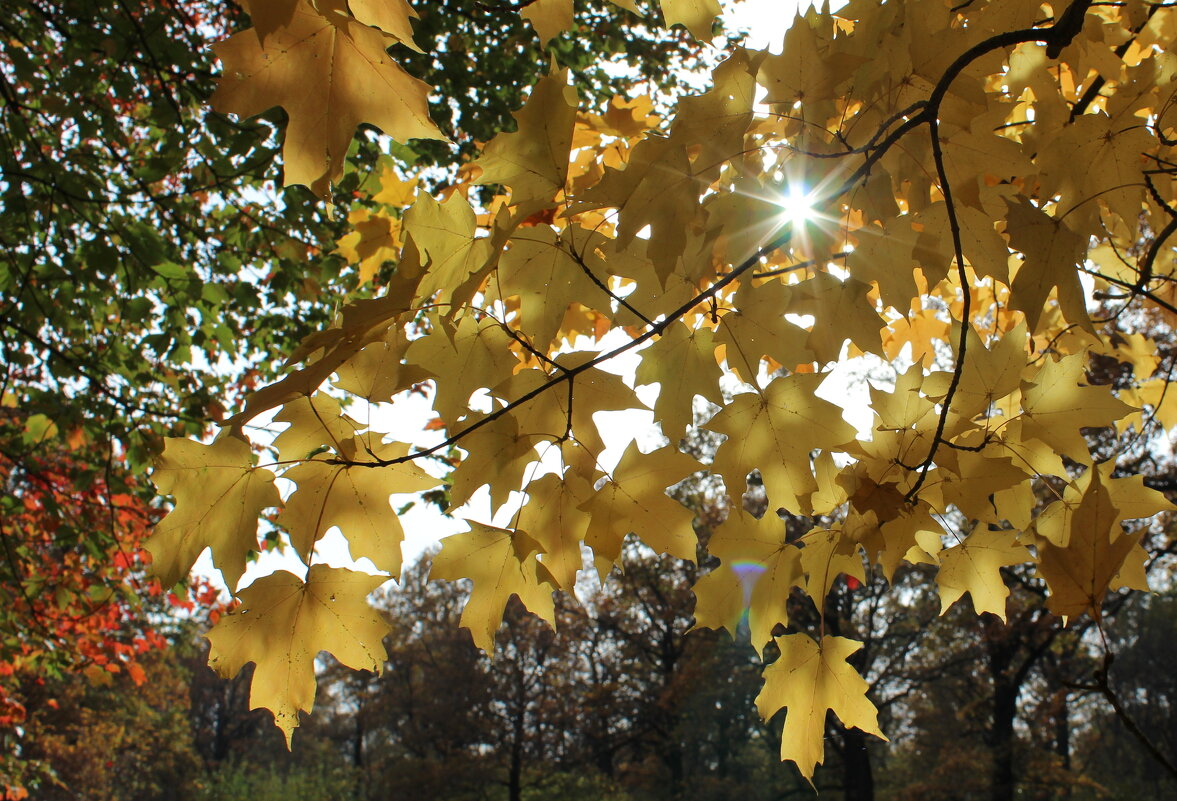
x=624 y=701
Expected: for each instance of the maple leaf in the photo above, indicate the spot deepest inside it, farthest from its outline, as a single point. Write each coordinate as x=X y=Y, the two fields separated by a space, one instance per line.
x=395 y=191
x=722 y=597
x=973 y=566
x=391 y=16
x=1131 y=499
x=315 y=421
x=968 y=479
x=1091 y=159
x=1081 y=573
x=330 y=74
x=807 y=679
x=774 y=431
x=717 y=120
x=994 y=372
x=550 y=18
x=219 y=495
x=1057 y=405
x=375 y=240
x=885 y=255
x=1052 y=252
x=533 y=161
x=543 y=268
x=282 y=625
x=447 y=235
x=695 y=15
x=376 y=371
x=841 y=311
x=799 y=72
x=682 y=362
x=465 y=357
x=500 y=563
x=634 y=500
x=657 y=189
x=557 y=523
x=825 y=555
x=548 y=415
x=498 y=453
x=362 y=322
x=354 y=498
x=757 y=330
x=765 y=565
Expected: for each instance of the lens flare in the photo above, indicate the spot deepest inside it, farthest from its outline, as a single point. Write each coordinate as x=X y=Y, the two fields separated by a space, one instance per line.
x=796 y=205
x=748 y=572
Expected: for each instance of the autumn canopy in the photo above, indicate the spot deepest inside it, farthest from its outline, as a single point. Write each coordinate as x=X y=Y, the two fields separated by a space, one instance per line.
x=992 y=196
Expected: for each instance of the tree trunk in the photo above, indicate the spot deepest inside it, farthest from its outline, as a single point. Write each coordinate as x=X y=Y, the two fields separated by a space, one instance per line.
x=857 y=780
x=515 y=771
x=1062 y=738
x=1005 y=709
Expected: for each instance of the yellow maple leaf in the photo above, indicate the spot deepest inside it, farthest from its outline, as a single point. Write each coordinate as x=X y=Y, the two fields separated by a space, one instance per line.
x=721 y=599
x=550 y=18
x=1080 y=574
x=548 y=271
x=807 y=679
x=1057 y=404
x=696 y=16
x=799 y=72
x=775 y=431
x=554 y=519
x=533 y=161
x=841 y=311
x=464 y=357
x=376 y=371
x=973 y=566
x=497 y=453
x=715 y=121
x=1130 y=497
x=966 y=478
x=330 y=74
x=825 y=555
x=354 y=498
x=390 y=16
x=1052 y=253
x=500 y=563
x=219 y=495
x=282 y=625
x=374 y=240
x=1091 y=159
x=314 y=421
x=757 y=330
x=766 y=566
x=993 y=373
x=395 y=191
x=634 y=500
x=656 y=188
x=682 y=362
x=447 y=235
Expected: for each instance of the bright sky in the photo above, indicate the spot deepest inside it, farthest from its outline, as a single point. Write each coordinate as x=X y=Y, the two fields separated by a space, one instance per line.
x=765 y=22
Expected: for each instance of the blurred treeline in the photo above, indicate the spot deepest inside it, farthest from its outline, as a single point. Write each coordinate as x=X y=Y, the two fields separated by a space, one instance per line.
x=624 y=702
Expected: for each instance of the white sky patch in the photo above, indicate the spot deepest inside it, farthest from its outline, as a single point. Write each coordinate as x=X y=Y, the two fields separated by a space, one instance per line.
x=846 y=387
x=763 y=21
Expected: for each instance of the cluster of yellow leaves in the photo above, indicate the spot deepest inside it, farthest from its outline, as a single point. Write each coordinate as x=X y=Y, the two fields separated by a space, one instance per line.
x=962 y=162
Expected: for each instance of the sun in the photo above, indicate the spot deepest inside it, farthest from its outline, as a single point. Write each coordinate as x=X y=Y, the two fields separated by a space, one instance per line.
x=796 y=205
